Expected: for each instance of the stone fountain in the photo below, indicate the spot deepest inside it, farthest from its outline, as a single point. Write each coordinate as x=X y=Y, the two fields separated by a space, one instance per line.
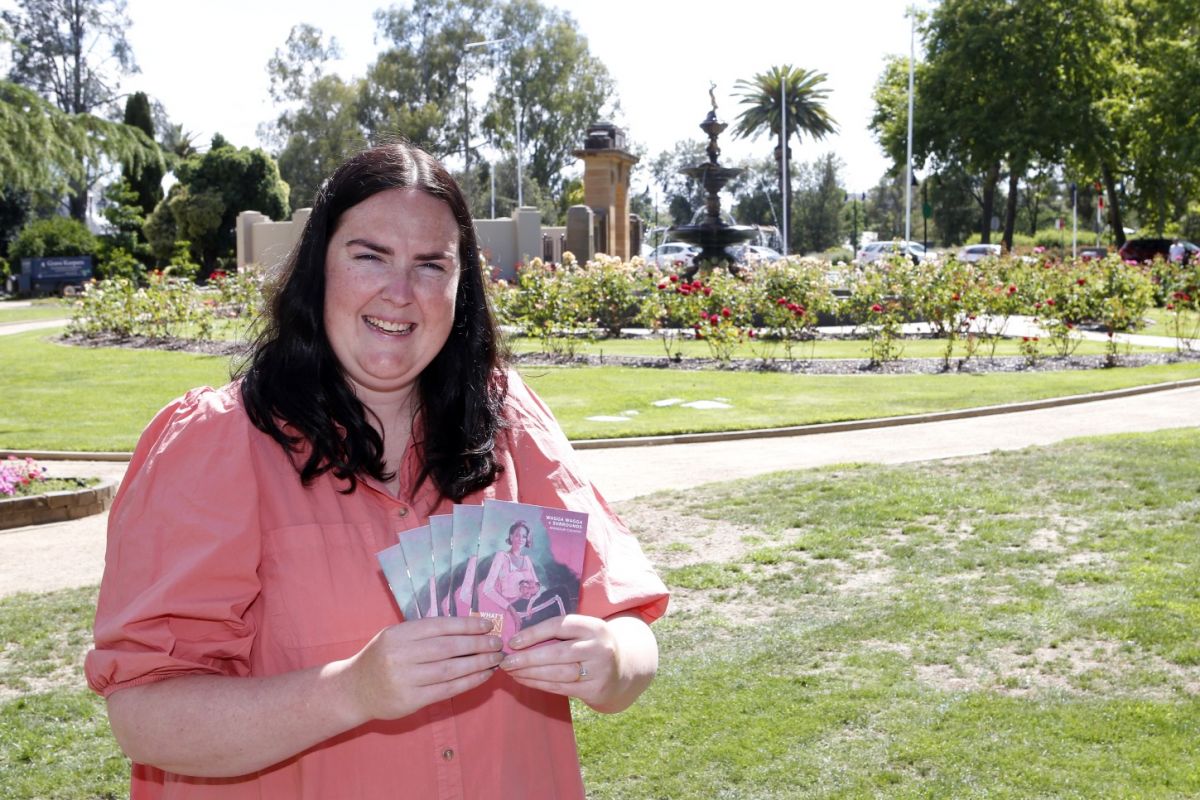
x=708 y=230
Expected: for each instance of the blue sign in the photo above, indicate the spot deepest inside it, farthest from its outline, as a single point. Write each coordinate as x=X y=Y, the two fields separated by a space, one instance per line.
x=72 y=269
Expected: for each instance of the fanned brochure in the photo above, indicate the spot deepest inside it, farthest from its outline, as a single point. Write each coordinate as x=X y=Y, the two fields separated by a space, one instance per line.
x=515 y=564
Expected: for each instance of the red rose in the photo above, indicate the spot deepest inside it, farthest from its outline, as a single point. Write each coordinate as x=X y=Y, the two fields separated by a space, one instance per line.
x=714 y=320
x=662 y=285
x=707 y=291
x=955 y=297
x=783 y=301
x=1050 y=302
x=1081 y=281
x=1012 y=289
x=726 y=313
x=674 y=279
x=877 y=308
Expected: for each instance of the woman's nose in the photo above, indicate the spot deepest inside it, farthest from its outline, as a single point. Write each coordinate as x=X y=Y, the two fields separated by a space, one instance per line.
x=398 y=285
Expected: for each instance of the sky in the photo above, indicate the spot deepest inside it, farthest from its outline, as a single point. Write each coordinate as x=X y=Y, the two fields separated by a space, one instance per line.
x=207 y=62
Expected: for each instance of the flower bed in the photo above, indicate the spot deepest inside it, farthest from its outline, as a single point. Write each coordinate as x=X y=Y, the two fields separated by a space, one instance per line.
x=774 y=307
x=28 y=497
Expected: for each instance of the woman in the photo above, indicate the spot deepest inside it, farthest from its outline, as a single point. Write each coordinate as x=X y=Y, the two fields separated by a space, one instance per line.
x=246 y=642
x=512 y=587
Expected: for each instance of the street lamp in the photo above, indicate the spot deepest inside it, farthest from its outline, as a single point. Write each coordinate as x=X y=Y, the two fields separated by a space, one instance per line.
x=467 y=107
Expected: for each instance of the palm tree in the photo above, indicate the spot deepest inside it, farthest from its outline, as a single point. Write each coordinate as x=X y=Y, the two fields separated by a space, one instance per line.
x=806 y=111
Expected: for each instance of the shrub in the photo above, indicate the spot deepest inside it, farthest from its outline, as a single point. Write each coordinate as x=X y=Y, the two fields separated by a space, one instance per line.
x=56 y=236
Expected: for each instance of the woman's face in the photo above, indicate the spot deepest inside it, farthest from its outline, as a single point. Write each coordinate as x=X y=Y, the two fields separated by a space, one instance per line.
x=391 y=276
x=519 y=538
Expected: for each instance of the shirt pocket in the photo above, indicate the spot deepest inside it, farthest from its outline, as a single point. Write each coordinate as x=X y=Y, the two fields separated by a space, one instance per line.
x=322 y=586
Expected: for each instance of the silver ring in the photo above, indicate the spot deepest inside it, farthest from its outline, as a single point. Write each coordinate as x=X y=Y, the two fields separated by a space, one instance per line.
x=583 y=673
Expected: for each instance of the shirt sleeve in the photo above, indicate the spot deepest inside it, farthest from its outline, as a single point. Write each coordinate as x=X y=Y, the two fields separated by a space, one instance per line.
x=181 y=567
x=617 y=576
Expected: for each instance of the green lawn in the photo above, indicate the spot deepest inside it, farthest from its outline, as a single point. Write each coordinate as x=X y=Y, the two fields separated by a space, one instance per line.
x=925 y=631
x=60 y=397
x=1018 y=625
x=1162 y=323
x=39 y=309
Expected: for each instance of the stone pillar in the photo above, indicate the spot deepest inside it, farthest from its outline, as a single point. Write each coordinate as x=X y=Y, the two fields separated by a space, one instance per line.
x=579 y=233
x=528 y=222
x=606 y=169
x=244 y=231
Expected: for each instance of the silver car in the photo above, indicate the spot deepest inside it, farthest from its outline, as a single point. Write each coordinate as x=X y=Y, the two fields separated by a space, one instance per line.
x=875 y=251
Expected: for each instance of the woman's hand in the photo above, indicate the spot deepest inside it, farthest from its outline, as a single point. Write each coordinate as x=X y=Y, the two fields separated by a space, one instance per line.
x=605 y=663
x=411 y=665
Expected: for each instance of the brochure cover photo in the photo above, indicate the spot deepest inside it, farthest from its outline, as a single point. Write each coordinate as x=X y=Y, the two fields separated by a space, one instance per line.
x=528 y=564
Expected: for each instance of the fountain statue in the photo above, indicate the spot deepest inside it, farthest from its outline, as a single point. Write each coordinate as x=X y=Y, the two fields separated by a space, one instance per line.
x=708 y=230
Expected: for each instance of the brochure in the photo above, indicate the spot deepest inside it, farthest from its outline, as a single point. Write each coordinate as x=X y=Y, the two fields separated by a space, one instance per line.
x=529 y=562
x=441 y=529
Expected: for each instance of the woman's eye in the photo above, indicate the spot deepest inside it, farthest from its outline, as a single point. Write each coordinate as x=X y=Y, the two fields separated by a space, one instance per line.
x=368 y=256
x=433 y=265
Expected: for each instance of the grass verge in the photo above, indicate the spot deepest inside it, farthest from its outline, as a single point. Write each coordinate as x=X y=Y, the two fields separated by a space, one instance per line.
x=1018 y=625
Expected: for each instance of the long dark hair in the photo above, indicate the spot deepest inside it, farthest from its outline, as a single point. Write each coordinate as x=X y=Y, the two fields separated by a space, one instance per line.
x=293 y=385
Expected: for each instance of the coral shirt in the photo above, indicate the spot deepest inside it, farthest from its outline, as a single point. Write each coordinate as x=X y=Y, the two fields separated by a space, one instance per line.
x=220 y=562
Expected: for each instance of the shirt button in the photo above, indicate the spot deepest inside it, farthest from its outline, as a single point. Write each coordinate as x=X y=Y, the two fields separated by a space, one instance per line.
x=403 y=512
x=448 y=754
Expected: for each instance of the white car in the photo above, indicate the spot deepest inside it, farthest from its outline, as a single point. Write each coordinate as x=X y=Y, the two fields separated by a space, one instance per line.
x=978 y=252
x=754 y=254
x=667 y=255
x=875 y=251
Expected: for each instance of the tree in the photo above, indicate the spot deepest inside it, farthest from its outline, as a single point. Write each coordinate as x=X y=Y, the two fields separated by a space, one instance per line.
x=55 y=236
x=212 y=190
x=416 y=87
x=1006 y=86
x=756 y=193
x=765 y=96
x=1153 y=117
x=320 y=124
x=548 y=86
x=147 y=181
x=681 y=195
x=44 y=151
x=819 y=208
x=71 y=52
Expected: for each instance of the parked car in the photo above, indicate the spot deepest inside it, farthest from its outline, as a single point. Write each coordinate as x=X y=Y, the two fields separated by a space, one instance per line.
x=672 y=253
x=877 y=250
x=978 y=252
x=1141 y=250
x=754 y=253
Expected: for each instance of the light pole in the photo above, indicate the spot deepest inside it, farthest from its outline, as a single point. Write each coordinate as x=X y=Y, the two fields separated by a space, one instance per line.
x=912 y=58
x=467 y=110
x=784 y=183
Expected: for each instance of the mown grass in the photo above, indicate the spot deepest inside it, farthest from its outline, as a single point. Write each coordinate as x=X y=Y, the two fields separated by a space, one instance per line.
x=1019 y=625
x=36 y=310
x=61 y=397
x=761 y=400
x=1162 y=323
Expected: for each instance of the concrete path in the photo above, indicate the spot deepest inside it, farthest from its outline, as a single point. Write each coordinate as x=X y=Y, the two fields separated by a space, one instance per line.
x=45 y=558
x=9 y=328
